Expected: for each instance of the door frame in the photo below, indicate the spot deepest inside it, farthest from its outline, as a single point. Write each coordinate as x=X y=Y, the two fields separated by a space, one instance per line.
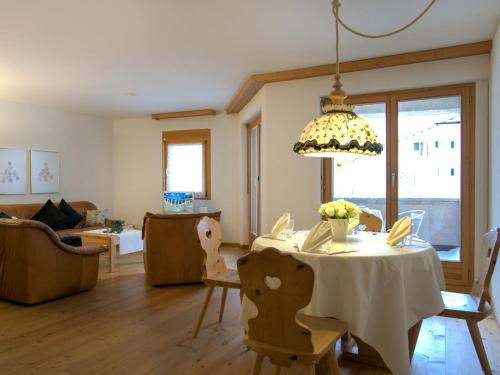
x=254 y=123
x=459 y=275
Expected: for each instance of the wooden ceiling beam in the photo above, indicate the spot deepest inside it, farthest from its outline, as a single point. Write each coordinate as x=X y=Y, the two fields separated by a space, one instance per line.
x=255 y=82
x=193 y=113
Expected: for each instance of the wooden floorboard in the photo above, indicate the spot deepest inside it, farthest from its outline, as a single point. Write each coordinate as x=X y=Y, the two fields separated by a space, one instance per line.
x=124 y=326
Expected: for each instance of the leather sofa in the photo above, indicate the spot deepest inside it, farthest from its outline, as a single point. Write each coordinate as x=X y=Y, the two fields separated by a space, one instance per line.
x=27 y=211
x=35 y=266
x=172 y=250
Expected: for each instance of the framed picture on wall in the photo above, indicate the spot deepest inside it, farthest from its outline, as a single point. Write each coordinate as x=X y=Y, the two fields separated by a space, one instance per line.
x=44 y=172
x=12 y=171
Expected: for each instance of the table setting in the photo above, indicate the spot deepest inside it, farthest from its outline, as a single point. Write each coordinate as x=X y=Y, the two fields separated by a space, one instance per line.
x=381 y=284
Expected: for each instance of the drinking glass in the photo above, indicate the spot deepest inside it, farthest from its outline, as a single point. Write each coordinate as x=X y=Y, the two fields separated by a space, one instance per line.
x=288 y=231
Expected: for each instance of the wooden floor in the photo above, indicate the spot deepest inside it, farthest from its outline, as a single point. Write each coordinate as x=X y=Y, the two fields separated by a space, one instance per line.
x=126 y=327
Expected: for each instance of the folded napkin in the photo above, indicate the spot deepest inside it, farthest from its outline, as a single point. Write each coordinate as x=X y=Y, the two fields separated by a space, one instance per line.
x=353 y=223
x=318 y=235
x=281 y=224
x=399 y=231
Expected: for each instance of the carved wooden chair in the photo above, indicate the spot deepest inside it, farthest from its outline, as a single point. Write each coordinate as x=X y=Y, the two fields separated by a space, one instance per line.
x=280 y=286
x=372 y=222
x=216 y=272
x=464 y=306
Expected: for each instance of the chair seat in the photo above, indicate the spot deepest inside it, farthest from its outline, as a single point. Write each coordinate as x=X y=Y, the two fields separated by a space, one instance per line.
x=324 y=334
x=461 y=306
x=228 y=278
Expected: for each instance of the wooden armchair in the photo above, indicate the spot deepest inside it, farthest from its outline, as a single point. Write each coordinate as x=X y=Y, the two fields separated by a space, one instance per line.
x=373 y=223
x=172 y=252
x=216 y=271
x=464 y=306
x=280 y=286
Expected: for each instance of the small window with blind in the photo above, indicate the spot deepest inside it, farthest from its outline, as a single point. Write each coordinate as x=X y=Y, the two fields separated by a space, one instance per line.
x=186 y=162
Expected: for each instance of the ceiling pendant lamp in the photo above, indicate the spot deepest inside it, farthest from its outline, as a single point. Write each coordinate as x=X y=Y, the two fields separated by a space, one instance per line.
x=339 y=129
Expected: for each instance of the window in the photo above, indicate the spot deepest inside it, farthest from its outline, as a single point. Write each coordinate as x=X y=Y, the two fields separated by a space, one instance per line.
x=418 y=146
x=186 y=161
x=408 y=179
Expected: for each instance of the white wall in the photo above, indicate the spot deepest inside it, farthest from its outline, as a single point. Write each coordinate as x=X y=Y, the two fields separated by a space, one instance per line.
x=84 y=142
x=138 y=168
x=494 y=190
x=291 y=182
x=288 y=182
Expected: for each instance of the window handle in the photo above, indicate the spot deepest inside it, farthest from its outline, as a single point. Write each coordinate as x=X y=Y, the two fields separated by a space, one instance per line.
x=393 y=179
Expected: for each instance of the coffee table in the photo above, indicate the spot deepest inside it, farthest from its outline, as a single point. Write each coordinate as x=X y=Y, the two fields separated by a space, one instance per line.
x=128 y=241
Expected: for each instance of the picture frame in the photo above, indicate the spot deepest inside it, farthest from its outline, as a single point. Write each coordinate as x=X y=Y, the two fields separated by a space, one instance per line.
x=45 y=168
x=13 y=171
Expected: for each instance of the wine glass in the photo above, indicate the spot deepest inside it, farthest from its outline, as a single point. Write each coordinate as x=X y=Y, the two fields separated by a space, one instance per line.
x=288 y=231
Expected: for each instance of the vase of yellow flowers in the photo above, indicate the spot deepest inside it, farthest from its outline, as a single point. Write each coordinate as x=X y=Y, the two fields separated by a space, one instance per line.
x=339 y=213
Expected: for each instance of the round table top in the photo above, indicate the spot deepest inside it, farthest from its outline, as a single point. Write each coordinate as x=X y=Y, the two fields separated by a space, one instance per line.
x=380 y=291
x=361 y=244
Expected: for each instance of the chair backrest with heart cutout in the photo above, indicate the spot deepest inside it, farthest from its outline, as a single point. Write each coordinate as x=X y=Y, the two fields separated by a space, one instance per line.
x=209 y=232
x=279 y=285
x=491 y=246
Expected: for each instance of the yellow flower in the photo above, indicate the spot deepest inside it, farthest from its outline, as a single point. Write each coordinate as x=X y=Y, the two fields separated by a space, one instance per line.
x=330 y=211
x=339 y=209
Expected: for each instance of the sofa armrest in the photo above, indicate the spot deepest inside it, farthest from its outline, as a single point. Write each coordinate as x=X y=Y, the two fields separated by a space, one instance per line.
x=36 y=225
x=84 y=250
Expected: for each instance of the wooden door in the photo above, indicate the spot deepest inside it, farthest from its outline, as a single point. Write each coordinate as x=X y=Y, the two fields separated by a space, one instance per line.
x=253 y=178
x=427 y=166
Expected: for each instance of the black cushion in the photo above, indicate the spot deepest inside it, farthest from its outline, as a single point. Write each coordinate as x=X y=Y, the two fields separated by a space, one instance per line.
x=3 y=215
x=70 y=212
x=52 y=216
x=72 y=240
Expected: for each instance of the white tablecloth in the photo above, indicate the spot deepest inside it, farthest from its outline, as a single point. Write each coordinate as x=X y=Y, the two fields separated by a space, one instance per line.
x=380 y=291
x=130 y=239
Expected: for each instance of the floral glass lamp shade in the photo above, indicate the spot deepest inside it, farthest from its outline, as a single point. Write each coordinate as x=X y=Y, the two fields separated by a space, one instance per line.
x=339 y=129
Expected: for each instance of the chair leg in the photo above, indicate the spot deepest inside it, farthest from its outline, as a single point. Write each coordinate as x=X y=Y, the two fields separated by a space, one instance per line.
x=332 y=362
x=258 y=364
x=277 y=370
x=203 y=310
x=478 y=344
x=222 y=304
x=312 y=369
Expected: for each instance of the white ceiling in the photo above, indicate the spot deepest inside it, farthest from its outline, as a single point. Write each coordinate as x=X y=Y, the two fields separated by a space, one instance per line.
x=89 y=56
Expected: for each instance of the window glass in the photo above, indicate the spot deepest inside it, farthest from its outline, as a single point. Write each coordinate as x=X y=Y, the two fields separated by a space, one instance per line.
x=361 y=179
x=185 y=167
x=431 y=198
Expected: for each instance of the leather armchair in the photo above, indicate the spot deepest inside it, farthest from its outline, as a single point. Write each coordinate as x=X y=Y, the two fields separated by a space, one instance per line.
x=35 y=266
x=172 y=250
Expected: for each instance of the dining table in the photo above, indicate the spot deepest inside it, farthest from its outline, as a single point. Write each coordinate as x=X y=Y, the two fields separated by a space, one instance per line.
x=381 y=292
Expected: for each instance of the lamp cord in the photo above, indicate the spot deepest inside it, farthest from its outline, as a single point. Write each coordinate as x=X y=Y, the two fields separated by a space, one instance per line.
x=336 y=5
x=338 y=93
